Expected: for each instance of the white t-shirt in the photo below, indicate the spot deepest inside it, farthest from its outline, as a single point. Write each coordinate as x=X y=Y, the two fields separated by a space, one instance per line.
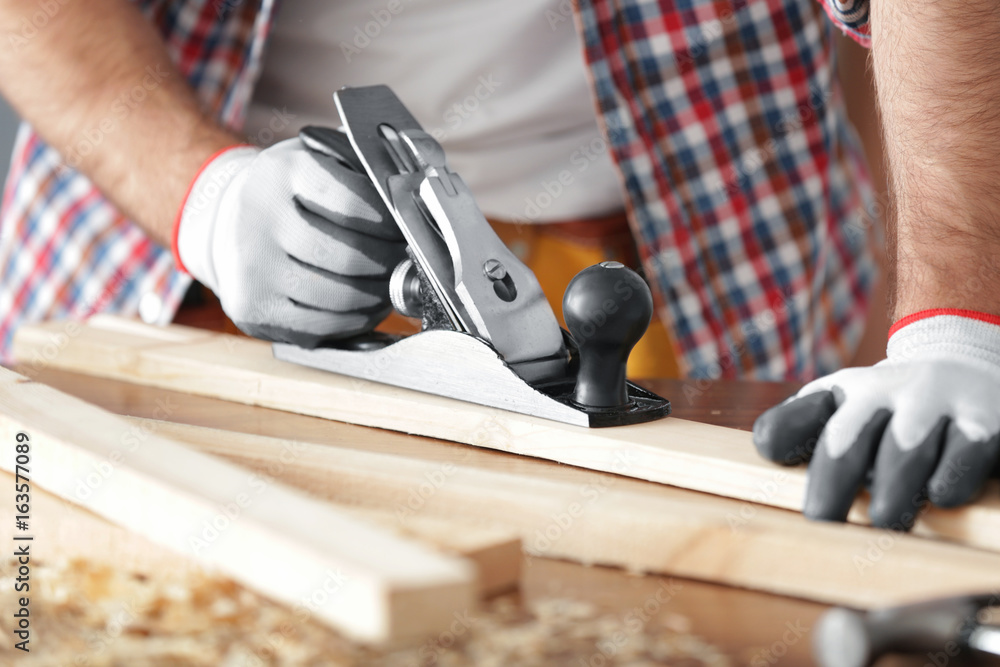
x=501 y=84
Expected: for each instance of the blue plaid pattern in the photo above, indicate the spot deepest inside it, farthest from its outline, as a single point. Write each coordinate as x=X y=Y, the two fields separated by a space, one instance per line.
x=65 y=251
x=745 y=182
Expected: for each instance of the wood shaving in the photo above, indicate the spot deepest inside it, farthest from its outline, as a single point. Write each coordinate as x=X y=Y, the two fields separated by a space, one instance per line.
x=85 y=614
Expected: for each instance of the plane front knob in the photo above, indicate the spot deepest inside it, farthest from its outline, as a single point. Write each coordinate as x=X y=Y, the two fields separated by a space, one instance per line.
x=607 y=308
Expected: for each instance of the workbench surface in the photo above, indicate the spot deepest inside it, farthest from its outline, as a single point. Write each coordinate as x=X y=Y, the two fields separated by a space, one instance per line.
x=751 y=628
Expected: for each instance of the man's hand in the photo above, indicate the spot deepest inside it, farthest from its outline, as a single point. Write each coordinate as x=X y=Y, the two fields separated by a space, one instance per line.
x=75 y=79
x=294 y=240
x=922 y=424
x=927 y=417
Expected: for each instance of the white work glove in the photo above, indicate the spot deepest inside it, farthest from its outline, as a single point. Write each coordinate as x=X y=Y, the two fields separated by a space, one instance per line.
x=294 y=239
x=923 y=424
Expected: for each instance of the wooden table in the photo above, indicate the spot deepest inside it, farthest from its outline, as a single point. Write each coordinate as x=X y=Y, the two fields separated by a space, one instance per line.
x=754 y=628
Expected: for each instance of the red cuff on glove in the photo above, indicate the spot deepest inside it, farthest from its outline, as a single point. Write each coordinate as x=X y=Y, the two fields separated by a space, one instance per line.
x=934 y=312
x=180 y=211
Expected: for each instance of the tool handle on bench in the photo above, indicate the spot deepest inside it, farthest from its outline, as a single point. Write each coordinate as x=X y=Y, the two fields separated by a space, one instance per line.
x=850 y=638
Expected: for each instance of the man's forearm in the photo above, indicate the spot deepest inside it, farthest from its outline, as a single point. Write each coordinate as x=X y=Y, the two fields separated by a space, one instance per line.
x=937 y=68
x=97 y=84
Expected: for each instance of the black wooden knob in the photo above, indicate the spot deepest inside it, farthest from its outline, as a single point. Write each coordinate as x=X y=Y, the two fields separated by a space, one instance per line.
x=607 y=309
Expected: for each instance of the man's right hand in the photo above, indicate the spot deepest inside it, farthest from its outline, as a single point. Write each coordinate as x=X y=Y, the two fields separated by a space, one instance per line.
x=296 y=243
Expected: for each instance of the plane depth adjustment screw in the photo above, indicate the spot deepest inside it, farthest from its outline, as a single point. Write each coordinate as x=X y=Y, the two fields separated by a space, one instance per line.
x=404 y=289
x=494 y=269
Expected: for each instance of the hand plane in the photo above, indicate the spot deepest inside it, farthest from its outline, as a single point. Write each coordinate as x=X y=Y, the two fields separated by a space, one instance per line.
x=488 y=334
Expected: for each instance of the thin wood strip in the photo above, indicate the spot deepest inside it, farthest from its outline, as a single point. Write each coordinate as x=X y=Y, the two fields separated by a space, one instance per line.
x=70 y=532
x=672 y=451
x=495 y=551
x=276 y=540
x=596 y=518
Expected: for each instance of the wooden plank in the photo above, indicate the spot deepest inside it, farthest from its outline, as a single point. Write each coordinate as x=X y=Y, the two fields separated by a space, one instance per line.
x=596 y=518
x=495 y=551
x=70 y=532
x=681 y=453
x=367 y=583
x=104 y=337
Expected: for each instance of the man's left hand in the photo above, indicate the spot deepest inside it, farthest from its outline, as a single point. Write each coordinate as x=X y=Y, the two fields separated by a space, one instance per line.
x=923 y=424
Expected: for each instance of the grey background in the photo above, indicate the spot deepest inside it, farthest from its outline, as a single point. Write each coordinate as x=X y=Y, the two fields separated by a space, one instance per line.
x=8 y=128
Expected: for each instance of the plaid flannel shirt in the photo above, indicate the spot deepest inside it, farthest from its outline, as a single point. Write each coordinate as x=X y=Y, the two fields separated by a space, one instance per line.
x=66 y=252
x=744 y=179
x=744 y=183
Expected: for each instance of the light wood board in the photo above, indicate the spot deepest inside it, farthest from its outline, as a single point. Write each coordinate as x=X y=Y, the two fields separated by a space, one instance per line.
x=363 y=580
x=69 y=532
x=65 y=531
x=495 y=551
x=597 y=518
x=672 y=451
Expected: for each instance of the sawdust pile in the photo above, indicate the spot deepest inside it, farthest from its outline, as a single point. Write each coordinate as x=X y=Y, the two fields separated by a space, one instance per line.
x=87 y=615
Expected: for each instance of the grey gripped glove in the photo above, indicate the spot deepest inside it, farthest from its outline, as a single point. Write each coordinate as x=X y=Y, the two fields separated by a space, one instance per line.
x=293 y=239
x=923 y=424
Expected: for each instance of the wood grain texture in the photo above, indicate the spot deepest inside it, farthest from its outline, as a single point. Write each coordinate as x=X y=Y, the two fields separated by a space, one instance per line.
x=264 y=534
x=71 y=532
x=749 y=618
x=681 y=453
x=68 y=532
x=596 y=518
x=495 y=551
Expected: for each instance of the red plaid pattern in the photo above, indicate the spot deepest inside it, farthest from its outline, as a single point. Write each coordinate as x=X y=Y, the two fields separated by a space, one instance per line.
x=65 y=251
x=724 y=117
x=744 y=180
